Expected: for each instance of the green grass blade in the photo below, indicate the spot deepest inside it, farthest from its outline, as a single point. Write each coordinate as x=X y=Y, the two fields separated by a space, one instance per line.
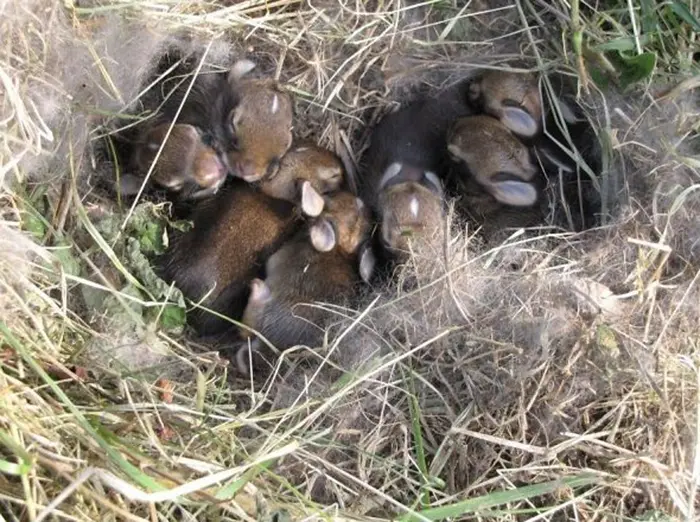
x=417 y=433
x=129 y=469
x=229 y=491
x=649 y=20
x=499 y=498
x=683 y=12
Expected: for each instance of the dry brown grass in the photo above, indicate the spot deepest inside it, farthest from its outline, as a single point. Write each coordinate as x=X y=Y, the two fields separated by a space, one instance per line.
x=506 y=375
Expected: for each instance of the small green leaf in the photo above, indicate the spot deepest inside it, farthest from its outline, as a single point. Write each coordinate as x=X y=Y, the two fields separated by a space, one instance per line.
x=116 y=308
x=34 y=224
x=173 y=317
x=625 y=43
x=599 y=77
x=633 y=69
x=151 y=238
x=142 y=268
x=12 y=468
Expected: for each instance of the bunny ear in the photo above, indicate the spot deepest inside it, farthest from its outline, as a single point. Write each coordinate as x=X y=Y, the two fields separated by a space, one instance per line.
x=245 y=356
x=323 y=236
x=260 y=293
x=240 y=69
x=434 y=183
x=519 y=121
x=514 y=193
x=568 y=112
x=367 y=263
x=390 y=173
x=254 y=313
x=312 y=202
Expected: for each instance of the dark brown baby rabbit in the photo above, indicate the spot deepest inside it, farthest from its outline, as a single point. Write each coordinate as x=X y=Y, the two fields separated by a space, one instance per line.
x=550 y=127
x=404 y=166
x=233 y=235
x=261 y=124
x=186 y=166
x=572 y=158
x=412 y=208
x=248 y=119
x=327 y=263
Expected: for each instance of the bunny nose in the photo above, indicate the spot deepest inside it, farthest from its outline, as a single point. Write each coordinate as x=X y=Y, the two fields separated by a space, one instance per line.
x=247 y=171
x=210 y=173
x=215 y=176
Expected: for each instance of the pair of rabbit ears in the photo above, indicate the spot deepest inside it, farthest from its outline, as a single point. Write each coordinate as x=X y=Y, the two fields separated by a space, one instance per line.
x=397 y=173
x=313 y=202
x=323 y=239
x=322 y=233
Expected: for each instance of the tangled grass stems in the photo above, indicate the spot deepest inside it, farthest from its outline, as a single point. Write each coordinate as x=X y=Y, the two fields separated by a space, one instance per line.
x=504 y=384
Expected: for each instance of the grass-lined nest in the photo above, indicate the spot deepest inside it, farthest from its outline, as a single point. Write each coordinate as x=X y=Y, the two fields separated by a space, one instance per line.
x=554 y=376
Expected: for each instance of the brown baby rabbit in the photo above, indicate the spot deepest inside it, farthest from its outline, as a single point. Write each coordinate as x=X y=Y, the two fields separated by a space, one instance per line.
x=261 y=125
x=305 y=162
x=511 y=97
x=404 y=166
x=558 y=133
x=233 y=235
x=248 y=119
x=186 y=165
x=412 y=205
x=486 y=150
x=327 y=263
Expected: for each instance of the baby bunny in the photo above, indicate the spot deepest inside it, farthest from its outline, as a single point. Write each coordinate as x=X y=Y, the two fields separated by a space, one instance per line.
x=513 y=98
x=326 y=263
x=187 y=165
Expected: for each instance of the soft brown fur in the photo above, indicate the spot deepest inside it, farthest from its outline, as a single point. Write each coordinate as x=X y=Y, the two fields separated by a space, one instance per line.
x=401 y=227
x=298 y=274
x=486 y=151
x=184 y=158
x=305 y=162
x=262 y=126
x=494 y=91
x=487 y=148
x=226 y=249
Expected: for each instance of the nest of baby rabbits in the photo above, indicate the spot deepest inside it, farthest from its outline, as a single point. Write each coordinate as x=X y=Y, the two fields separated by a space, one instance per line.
x=501 y=233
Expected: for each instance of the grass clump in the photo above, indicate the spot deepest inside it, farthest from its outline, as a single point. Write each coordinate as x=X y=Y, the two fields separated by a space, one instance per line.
x=548 y=378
